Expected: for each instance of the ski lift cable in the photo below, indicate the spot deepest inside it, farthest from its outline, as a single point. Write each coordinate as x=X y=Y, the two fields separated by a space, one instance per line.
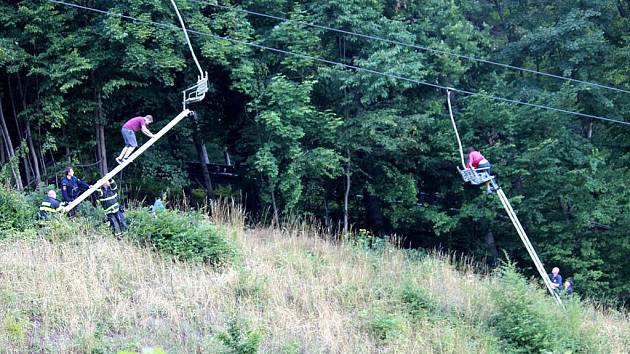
x=354 y=67
x=415 y=46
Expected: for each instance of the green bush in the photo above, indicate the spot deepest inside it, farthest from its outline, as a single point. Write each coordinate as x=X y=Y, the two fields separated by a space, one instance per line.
x=417 y=302
x=239 y=338
x=527 y=321
x=386 y=326
x=16 y=213
x=187 y=237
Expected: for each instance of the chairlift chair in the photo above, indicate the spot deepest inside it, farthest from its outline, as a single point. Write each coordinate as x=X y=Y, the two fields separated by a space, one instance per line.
x=475 y=176
x=196 y=93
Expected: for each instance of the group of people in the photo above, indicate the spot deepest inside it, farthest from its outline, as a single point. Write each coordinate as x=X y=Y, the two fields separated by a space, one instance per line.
x=565 y=287
x=71 y=186
x=107 y=195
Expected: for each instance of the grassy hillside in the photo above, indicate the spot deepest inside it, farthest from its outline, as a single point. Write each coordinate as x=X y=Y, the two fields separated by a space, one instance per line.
x=71 y=287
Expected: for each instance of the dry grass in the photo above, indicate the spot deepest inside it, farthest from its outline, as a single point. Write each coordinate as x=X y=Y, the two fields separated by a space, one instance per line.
x=302 y=293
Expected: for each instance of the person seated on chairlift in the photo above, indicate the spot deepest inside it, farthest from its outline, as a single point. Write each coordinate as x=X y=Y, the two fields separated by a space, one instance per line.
x=478 y=162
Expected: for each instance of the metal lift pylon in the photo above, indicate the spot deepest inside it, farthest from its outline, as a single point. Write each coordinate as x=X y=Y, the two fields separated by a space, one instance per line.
x=477 y=177
x=192 y=94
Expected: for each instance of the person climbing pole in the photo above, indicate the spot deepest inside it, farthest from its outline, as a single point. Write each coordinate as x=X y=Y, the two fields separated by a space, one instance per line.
x=50 y=204
x=129 y=130
x=70 y=187
x=108 y=199
x=478 y=162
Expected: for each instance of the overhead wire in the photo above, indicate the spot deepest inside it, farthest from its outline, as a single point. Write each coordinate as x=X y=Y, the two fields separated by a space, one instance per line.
x=415 y=46
x=349 y=66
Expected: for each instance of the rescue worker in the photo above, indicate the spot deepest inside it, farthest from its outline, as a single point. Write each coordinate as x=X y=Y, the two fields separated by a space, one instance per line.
x=50 y=205
x=108 y=199
x=70 y=188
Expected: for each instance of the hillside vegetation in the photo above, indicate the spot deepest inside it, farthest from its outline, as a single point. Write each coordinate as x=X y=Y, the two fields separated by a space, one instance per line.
x=69 y=286
x=337 y=110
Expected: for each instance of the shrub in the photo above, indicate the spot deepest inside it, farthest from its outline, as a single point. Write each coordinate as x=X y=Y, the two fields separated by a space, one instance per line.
x=386 y=326
x=528 y=322
x=239 y=338
x=417 y=302
x=16 y=214
x=187 y=237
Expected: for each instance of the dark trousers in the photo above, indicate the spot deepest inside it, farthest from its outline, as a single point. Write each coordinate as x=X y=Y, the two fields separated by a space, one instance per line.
x=117 y=222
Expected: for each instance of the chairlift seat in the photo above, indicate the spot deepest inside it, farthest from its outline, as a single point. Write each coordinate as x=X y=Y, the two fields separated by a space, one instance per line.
x=475 y=176
x=196 y=93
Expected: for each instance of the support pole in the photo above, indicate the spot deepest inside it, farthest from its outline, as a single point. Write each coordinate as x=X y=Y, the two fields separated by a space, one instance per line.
x=133 y=156
x=528 y=245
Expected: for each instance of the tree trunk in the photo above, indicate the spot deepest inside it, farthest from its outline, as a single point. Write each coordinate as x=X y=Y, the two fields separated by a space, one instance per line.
x=101 y=151
x=346 y=195
x=66 y=146
x=18 y=127
x=274 y=222
x=9 y=149
x=43 y=165
x=374 y=211
x=202 y=154
x=492 y=247
x=327 y=222
x=3 y=153
x=31 y=148
x=589 y=133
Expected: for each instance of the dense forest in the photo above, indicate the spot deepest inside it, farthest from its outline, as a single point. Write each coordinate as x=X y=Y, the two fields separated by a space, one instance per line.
x=344 y=118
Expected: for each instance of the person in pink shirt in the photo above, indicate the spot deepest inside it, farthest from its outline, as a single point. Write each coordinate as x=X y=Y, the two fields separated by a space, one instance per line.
x=129 y=130
x=478 y=162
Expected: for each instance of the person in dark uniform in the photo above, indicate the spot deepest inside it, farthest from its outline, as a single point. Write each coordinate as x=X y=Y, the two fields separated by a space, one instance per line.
x=50 y=205
x=70 y=188
x=108 y=199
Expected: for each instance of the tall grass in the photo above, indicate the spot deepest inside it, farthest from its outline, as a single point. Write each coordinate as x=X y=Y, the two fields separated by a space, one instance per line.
x=289 y=290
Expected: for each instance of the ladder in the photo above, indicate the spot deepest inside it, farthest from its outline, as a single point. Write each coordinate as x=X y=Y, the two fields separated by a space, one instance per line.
x=129 y=160
x=528 y=245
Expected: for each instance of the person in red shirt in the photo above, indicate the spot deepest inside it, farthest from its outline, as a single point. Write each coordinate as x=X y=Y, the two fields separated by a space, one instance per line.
x=129 y=130
x=478 y=162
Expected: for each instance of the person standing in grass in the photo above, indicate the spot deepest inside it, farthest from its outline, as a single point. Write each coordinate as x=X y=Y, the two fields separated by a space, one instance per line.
x=556 y=279
x=70 y=188
x=568 y=287
x=108 y=199
x=129 y=130
x=158 y=205
x=50 y=205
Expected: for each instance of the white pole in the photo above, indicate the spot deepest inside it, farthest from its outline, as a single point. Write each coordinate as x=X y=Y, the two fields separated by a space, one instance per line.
x=133 y=156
